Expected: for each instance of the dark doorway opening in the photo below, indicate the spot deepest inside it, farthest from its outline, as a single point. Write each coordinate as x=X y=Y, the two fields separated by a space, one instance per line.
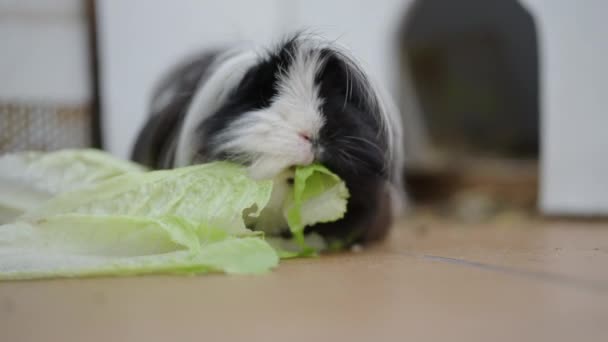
x=474 y=67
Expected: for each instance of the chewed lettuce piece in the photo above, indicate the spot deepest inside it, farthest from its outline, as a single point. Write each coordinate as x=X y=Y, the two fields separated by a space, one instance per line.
x=318 y=196
x=188 y=220
x=28 y=179
x=85 y=213
x=214 y=194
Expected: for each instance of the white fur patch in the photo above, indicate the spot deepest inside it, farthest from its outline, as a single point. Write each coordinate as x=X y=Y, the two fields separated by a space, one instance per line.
x=273 y=138
x=211 y=94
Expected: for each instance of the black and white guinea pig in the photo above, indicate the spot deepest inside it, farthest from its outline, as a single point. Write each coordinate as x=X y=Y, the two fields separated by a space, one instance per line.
x=303 y=101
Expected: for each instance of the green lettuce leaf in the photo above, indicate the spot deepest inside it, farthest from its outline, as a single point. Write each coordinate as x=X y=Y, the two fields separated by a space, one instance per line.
x=29 y=179
x=188 y=220
x=318 y=196
x=86 y=213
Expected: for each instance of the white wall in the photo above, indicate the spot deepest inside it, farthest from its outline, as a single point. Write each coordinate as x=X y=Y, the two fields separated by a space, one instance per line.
x=138 y=45
x=44 y=51
x=367 y=27
x=574 y=87
x=140 y=39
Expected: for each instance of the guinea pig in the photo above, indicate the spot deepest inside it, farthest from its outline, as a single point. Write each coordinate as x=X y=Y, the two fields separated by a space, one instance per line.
x=303 y=101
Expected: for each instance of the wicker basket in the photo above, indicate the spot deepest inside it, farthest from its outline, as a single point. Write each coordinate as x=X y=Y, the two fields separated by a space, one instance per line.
x=43 y=127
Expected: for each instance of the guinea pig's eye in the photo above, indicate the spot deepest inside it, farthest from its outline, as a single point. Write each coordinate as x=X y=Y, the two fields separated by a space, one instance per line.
x=290 y=180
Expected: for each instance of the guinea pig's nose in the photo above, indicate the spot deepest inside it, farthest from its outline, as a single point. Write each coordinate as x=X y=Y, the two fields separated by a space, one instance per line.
x=306 y=136
x=312 y=140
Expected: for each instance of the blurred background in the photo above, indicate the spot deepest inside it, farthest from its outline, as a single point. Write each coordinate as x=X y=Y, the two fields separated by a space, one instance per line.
x=503 y=101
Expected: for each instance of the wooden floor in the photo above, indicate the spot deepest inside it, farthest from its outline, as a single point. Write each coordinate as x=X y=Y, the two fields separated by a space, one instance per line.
x=429 y=282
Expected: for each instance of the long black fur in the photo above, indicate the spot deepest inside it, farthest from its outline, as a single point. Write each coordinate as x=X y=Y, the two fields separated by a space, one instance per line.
x=352 y=136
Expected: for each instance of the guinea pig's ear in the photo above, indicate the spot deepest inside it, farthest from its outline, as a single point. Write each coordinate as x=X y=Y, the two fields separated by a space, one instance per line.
x=342 y=78
x=333 y=75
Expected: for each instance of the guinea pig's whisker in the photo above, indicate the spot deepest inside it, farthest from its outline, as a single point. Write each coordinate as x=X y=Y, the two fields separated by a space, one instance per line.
x=351 y=159
x=349 y=88
x=363 y=140
x=356 y=147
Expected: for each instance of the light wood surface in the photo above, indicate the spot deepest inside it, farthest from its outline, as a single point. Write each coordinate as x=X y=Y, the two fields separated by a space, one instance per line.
x=429 y=282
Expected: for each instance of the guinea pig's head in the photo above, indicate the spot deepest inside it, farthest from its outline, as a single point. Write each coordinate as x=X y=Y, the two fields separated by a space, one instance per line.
x=301 y=103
